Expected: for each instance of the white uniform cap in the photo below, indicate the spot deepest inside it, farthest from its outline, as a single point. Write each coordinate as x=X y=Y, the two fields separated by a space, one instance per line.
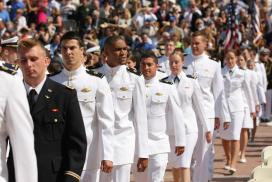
x=93 y=49
x=11 y=42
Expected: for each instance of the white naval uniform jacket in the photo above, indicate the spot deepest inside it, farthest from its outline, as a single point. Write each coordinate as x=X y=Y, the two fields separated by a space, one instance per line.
x=260 y=89
x=164 y=116
x=164 y=64
x=96 y=106
x=16 y=123
x=208 y=75
x=251 y=75
x=130 y=127
x=260 y=69
x=235 y=84
x=191 y=101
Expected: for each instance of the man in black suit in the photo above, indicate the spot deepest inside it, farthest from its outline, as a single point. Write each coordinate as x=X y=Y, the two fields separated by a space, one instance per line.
x=60 y=139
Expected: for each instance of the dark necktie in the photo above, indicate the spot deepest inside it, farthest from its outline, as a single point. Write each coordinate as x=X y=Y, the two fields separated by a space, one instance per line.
x=31 y=98
x=176 y=79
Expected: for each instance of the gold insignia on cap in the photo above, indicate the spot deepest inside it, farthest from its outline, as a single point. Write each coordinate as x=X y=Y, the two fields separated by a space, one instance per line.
x=49 y=90
x=86 y=89
x=124 y=89
x=159 y=94
x=46 y=96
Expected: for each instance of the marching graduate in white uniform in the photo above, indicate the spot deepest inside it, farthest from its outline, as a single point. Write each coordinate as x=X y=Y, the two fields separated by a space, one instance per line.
x=248 y=119
x=208 y=74
x=164 y=118
x=261 y=96
x=16 y=123
x=96 y=105
x=164 y=60
x=237 y=85
x=191 y=100
x=130 y=127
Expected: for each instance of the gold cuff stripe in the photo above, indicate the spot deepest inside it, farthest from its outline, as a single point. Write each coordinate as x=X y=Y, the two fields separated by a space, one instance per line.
x=71 y=173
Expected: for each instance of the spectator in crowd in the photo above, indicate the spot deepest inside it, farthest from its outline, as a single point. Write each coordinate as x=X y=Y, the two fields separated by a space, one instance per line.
x=4 y=14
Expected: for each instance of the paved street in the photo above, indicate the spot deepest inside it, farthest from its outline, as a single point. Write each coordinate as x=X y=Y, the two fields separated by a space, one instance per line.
x=263 y=138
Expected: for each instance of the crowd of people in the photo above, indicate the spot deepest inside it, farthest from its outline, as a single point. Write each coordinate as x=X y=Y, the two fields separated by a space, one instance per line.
x=141 y=86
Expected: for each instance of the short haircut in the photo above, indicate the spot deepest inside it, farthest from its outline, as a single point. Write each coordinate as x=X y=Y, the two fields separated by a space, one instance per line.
x=179 y=54
x=132 y=58
x=201 y=34
x=112 y=39
x=72 y=35
x=149 y=54
x=30 y=43
x=235 y=52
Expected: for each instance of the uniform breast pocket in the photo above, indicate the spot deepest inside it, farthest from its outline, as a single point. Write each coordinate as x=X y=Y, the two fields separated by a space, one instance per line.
x=205 y=81
x=87 y=103
x=158 y=104
x=124 y=100
x=53 y=127
x=236 y=83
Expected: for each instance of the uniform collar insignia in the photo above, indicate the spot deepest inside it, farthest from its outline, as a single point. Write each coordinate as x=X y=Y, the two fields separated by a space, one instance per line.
x=86 y=89
x=49 y=90
x=46 y=96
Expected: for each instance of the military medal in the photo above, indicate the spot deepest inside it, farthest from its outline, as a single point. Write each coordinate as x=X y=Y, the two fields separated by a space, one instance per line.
x=124 y=89
x=159 y=94
x=86 y=89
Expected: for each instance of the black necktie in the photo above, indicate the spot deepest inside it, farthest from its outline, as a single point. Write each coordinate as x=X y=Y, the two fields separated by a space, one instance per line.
x=176 y=79
x=230 y=71
x=31 y=98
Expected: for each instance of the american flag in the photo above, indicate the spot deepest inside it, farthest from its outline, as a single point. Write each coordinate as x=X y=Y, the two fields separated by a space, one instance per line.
x=231 y=40
x=255 y=13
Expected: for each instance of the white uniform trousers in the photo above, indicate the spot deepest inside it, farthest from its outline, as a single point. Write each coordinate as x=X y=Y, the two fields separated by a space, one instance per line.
x=203 y=156
x=90 y=175
x=157 y=164
x=120 y=173
x=267 y=111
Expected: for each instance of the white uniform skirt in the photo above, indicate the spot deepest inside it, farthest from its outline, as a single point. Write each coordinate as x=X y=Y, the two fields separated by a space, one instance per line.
x=234 y=130
x=183 y=160
x=248 y=121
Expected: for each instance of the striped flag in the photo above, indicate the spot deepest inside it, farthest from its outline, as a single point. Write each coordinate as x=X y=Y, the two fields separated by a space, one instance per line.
x=255 y=16
x=232 y=34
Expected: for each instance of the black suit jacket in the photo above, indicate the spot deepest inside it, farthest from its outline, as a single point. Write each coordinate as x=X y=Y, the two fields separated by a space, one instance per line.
x=60 y=139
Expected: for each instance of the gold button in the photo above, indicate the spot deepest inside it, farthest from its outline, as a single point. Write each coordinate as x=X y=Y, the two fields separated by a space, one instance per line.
x=55 y=120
